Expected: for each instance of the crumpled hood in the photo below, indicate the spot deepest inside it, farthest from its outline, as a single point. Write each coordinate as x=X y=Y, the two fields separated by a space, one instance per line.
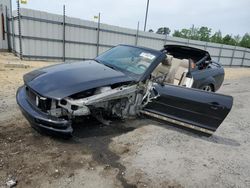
x=62 y=80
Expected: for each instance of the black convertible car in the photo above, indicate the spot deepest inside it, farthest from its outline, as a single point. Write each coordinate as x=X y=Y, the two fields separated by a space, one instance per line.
x=128 y=81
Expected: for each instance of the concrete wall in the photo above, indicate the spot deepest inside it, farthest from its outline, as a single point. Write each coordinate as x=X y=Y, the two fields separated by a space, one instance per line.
x=42 y=38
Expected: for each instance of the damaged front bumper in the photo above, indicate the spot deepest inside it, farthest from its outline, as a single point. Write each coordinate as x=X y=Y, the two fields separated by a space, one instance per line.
x=40 y=120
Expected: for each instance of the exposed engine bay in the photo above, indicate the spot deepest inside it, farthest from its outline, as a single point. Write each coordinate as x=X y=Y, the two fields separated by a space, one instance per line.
x=122 y=102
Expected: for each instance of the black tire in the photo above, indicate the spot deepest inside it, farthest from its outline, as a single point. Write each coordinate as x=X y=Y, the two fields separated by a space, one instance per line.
x=208 y=88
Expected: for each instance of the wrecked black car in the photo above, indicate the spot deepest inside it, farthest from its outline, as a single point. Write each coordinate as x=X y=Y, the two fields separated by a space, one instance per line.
x=126 y=81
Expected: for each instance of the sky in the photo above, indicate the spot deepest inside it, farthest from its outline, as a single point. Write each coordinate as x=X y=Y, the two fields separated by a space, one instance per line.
x=228 y=16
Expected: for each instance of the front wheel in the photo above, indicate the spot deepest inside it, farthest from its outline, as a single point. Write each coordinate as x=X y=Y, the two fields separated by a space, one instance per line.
x=208 y=88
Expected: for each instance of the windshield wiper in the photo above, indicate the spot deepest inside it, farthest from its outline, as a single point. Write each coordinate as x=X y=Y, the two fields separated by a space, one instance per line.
x=98 y=61
x=106 y=64
x=110 y=66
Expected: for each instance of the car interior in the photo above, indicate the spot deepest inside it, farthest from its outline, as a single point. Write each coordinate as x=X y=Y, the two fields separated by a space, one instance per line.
x=174 y=69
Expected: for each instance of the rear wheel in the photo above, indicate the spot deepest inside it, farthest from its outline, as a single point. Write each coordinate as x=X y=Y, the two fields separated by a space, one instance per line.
x=208 y=88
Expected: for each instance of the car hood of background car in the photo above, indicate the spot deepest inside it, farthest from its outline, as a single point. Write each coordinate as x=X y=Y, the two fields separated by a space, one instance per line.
x=63 y=80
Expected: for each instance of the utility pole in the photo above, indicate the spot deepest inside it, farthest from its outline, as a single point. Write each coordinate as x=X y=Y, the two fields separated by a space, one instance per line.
x=146 y=16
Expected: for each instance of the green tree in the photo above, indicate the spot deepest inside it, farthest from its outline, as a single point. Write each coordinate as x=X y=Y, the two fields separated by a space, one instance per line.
x=177 y=33
x=163 y=31
x=151 y=30
x=237 y=39
x=204 y=33
x=245 y=41
x=194 y=33
x=185 y=33
x=228 y=39
x=217 y=37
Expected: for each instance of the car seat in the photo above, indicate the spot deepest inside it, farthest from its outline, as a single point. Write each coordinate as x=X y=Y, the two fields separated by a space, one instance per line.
x=164 y=67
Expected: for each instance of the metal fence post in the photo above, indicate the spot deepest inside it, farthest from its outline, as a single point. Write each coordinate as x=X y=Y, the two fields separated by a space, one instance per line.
x=205 y=47
x=19 y=30
x=12 y=30
x=63 y=33
x=7 y=29
x=165 y=40
x=137 y=34
x=232 y=56
x=98 y=34
x=188 y=42
x=220 y=52
x=243 y=58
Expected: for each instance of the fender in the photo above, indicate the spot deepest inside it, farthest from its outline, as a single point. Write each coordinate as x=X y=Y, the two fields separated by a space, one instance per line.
x=208 y=81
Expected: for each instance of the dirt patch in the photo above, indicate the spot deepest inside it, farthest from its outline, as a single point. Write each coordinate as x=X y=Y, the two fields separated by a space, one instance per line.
x=33 y=159
x=236 y=73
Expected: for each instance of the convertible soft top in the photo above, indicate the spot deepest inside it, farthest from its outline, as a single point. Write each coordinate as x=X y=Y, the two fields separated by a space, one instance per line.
x=186 y=52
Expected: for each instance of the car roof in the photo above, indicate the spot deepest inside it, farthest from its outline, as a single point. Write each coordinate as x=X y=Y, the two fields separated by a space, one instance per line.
x=186 y=52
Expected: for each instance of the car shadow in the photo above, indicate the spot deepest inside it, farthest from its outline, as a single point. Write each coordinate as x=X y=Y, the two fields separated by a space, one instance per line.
x=209 y=138
x=92 y=128
x=222 y=140
x=97 y=138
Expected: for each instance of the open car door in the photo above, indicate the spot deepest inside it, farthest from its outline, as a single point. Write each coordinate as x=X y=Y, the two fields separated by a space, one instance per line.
x=190 y=108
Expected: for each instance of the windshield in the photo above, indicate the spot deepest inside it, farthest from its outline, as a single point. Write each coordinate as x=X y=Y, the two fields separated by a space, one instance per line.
x=131 y=60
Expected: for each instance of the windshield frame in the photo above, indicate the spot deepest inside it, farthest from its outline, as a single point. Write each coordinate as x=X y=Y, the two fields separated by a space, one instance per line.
x=158 y=55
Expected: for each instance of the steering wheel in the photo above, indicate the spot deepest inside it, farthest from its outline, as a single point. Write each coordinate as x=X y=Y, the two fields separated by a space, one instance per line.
x=199 y=65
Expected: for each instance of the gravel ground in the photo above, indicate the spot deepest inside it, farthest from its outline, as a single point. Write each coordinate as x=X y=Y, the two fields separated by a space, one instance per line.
x=135 y=153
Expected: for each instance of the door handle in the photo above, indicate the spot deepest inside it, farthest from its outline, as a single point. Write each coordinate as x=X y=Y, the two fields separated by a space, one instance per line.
x=214 y=107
